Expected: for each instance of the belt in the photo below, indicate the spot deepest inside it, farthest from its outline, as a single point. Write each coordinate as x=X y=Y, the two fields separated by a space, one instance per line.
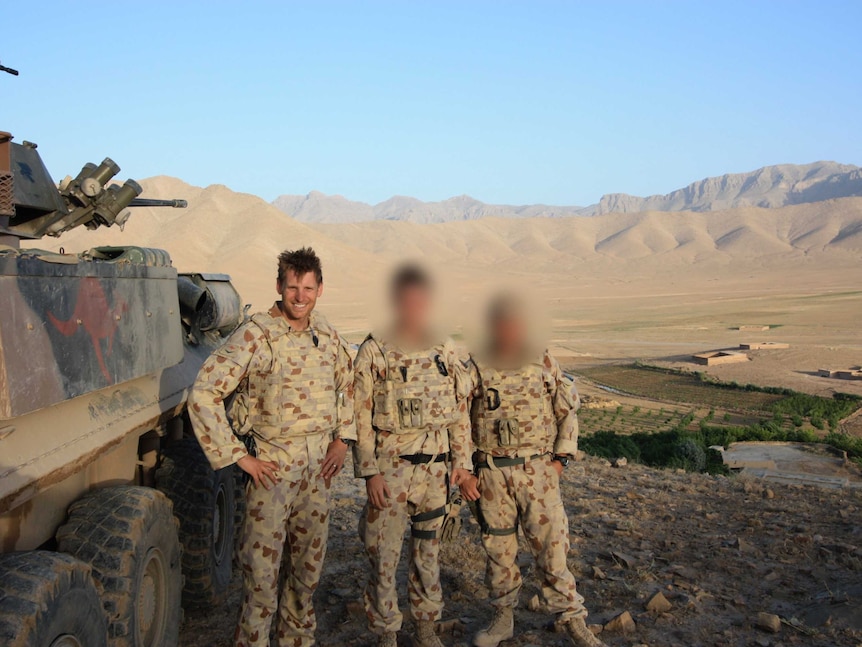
x=422 y=459
x=505 y=461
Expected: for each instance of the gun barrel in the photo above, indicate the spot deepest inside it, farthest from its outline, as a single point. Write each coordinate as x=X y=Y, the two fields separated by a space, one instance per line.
x=150 y=202
x=9 y=70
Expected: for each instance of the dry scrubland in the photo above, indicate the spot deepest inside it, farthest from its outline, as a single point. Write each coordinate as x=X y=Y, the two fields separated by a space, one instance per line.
x=720 y=550
x=657 y=286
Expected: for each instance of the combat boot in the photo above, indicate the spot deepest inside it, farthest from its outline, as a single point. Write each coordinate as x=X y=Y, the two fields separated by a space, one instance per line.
x=502 y=628
x=389 y=639
x=576 y=629
x=426 y=634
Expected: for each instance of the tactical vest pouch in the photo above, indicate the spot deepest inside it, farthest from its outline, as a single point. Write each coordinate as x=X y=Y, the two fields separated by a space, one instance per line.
x=410 y=411
x=237 y=410
x=507 y=429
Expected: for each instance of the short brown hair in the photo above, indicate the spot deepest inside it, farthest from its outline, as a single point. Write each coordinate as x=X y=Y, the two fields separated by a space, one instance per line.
x=300 y=262
x=409 y=275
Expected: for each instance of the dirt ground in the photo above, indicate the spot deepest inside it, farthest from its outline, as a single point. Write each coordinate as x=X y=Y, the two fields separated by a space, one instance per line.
x=720 y=549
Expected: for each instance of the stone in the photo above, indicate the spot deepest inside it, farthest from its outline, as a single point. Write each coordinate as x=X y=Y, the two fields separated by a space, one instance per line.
x=535 y=604
x=768 y=622
x=626 y=560
x=620 y=462
x=658 y=604
x=595 y=629
x=623 y=623
x=598 y=574
x=768 y=494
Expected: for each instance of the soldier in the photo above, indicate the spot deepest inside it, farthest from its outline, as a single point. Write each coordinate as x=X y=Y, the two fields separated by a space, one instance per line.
x=525 y=431
x=408 y=418
x=298 y=394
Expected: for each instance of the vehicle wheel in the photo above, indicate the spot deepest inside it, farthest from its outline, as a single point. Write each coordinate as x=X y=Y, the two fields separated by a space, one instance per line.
x=129 y=535
x=49 y=600
x=204 y=503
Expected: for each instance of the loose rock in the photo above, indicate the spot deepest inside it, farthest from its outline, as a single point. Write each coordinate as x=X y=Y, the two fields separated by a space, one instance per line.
x=768 y=622
x=658 y=604
x=623 y=623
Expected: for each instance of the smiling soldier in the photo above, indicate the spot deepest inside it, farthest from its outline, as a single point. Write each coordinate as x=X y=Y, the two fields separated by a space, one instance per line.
x=300 y=414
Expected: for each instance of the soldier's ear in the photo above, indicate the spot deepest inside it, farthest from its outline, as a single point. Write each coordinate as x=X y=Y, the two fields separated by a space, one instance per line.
x=320 y=289
x=278 y=286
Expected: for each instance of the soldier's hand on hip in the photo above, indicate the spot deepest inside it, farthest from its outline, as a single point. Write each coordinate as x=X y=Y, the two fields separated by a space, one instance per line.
x=259 y=470
x=468 y=483
x=334 y=459
x=378 y=492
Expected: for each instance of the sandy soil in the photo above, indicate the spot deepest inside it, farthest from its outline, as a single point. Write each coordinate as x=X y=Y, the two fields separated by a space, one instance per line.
x=720 y=549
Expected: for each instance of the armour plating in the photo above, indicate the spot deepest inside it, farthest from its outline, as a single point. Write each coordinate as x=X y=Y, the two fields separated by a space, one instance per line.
x=304 y=403
x=416 y=391
x=513 y=409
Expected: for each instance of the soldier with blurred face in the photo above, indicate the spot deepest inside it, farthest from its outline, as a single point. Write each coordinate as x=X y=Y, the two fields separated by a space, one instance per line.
x=525 y=431
x=297 y=391
x=410 y=416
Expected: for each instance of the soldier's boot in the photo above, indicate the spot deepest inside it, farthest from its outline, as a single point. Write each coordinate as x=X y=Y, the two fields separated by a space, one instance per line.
x=502 y=628
x=576 y=629
x=389 y=639
x=426 y=634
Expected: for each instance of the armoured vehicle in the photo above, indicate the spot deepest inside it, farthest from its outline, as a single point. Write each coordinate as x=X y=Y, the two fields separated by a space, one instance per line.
x=110 y=516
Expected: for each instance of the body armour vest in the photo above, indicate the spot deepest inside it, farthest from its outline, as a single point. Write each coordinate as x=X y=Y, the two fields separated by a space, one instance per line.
x=512 y=408
x=415 y=390
x=291 y=390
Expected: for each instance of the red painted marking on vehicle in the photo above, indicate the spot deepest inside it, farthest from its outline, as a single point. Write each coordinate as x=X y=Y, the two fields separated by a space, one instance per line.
x=97 y=317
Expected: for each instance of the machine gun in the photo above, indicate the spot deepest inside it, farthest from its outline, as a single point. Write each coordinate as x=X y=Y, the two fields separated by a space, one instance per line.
x=32 y=205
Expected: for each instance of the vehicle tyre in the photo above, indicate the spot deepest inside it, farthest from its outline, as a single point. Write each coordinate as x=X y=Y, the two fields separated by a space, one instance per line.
x=49 y=600
x=204 y=502
x=129 y=536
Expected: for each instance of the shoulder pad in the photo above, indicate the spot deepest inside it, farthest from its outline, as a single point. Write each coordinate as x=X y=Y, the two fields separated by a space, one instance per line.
x=321 y=324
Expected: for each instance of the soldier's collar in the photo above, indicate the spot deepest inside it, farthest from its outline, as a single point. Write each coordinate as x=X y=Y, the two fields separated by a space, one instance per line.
x=316 y=322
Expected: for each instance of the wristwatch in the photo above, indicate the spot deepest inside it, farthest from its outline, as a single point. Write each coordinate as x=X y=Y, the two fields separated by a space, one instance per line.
x=348 y=441
x=562 y=459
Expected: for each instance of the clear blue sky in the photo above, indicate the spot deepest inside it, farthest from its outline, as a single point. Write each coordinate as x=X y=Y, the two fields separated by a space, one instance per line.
x=510 y=102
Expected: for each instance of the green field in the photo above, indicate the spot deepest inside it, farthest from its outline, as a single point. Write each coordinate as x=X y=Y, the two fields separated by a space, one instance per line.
x=677 y=387
x=669 y=418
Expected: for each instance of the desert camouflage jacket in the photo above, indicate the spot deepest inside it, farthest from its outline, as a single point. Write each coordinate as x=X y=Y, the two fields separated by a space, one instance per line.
x=297 y=383
x=439 y=426
x=523 y=411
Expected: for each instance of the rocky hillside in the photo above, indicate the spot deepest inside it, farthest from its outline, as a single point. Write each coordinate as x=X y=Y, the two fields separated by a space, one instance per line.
x=721 y=551
x=317 y=207
x=242 y=234
x=771 y=186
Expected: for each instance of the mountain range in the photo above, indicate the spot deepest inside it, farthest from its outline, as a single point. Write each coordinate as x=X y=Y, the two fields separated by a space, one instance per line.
x=241 y=234
x=769 y=187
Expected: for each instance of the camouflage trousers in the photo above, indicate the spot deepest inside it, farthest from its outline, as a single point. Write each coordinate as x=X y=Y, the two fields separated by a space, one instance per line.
x=419 y=494
x=285 y=527
x=527 y=496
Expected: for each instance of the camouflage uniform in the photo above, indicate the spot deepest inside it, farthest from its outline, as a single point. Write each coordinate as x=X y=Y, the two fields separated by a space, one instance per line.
x=521 y=417
x=411 y=413
x=298 y=398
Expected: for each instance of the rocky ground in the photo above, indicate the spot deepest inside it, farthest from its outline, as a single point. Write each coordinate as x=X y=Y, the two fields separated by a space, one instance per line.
x=727 y=554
